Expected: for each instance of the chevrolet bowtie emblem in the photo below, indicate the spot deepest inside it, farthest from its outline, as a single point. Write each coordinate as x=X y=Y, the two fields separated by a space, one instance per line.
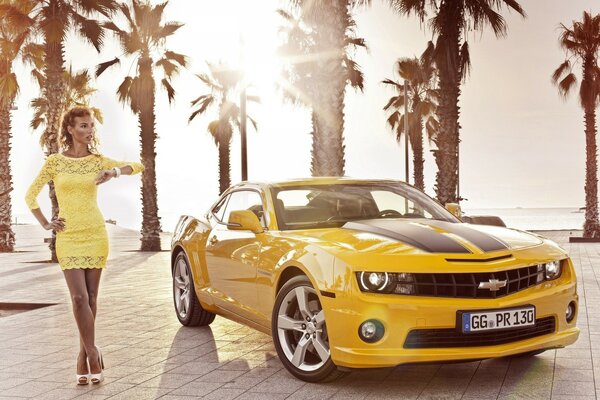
x=493 y=284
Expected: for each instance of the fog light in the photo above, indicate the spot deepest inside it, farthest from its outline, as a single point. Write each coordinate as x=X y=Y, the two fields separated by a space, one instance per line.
x=571 y=311
x=371 y=331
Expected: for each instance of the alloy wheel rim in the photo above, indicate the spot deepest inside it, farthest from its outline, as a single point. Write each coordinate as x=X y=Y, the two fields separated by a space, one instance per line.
x=181 y=288
x=302 y=332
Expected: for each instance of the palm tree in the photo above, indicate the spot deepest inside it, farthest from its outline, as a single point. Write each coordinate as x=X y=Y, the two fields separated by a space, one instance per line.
x=420 y=75
x=450 y=24
x=15 y=44
x=53 y=19
x=78 y=92
x=582 y=43
x=144 y=39
x=223 y=83
x=318 y=43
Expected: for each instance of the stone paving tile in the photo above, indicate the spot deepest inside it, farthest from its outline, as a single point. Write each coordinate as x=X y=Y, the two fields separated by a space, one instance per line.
x=168 y=381
x=31 y=389
x=224 y=394
x=150 y=355
x=196 y=388
x=141 y=393
x=261 y=396
x=573 y=388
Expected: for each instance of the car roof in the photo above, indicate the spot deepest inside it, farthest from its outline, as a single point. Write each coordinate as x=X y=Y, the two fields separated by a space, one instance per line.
x=326 y=180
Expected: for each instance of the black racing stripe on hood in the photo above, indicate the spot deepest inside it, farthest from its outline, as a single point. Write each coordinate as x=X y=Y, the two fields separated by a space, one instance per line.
x=414 y=235
x=482 y=240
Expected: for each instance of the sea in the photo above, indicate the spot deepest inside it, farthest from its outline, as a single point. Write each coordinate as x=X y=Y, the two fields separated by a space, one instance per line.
x=534 y=219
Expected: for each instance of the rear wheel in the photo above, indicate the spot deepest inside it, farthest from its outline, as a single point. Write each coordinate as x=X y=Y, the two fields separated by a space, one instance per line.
x=187 y=307
x=300 y=332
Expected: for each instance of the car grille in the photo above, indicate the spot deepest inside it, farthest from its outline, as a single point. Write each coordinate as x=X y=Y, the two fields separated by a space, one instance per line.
x=466 y=285
x=442 y=338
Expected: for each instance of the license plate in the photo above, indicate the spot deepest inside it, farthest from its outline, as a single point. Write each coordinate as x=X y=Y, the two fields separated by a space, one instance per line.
x=478 y=321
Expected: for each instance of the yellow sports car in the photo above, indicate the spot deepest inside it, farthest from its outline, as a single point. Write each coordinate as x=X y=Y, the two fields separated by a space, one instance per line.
x=347 y=273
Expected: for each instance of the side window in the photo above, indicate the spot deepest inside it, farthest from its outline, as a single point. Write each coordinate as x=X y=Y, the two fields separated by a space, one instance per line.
x=244 y=200
x=219 y=209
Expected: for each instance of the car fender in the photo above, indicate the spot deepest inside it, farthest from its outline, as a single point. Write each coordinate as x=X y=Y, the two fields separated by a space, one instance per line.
x=314 y=262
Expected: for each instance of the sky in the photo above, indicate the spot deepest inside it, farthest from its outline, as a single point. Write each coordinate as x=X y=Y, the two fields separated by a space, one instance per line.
x=522 y=145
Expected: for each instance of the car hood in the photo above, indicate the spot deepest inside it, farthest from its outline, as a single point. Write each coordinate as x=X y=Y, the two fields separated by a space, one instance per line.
x=393 y=236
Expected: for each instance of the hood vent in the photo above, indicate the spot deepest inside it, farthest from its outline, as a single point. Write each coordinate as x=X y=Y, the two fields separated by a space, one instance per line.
x=479 y=260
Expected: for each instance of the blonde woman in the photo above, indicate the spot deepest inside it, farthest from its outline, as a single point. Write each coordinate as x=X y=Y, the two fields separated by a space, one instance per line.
x=81 y=238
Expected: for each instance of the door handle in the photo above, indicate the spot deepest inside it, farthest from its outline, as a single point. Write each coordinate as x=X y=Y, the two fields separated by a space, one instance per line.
x=213 y=240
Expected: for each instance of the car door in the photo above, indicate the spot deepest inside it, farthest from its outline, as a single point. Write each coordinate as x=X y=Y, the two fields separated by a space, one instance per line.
x=232 y=256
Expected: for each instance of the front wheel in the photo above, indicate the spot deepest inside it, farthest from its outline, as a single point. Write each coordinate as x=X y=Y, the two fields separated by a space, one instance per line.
x=187 y=307
x=300 y=332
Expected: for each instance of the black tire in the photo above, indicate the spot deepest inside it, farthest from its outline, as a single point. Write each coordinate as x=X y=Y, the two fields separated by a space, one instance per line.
x=192 y=313
x=287 y=340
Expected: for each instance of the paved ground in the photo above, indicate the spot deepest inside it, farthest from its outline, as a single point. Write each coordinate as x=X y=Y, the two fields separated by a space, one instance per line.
x=149 y=355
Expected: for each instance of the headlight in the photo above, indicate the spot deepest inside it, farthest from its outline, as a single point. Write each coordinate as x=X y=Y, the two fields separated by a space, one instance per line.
x=552 y=270
x=373 y=281
x=386 y=282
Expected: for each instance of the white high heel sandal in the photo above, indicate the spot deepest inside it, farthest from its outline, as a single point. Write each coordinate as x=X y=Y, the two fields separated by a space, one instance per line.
x=97 y=378
x=84 y=379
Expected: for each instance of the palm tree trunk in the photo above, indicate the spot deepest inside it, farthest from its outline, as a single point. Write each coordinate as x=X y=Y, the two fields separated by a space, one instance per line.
x=591 y=226
x=7 y=236
x=447 y=139
x=328 y=140
x=54 y=92
x=418 y=159
x=327 y=147
x=224 y=165
x=150 y=221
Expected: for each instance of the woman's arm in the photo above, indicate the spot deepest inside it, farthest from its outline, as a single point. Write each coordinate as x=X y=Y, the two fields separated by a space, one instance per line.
x=110 y=166
x=56 y=224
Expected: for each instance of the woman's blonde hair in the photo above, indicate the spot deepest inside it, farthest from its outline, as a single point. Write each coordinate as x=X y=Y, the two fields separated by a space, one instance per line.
x=65 y=139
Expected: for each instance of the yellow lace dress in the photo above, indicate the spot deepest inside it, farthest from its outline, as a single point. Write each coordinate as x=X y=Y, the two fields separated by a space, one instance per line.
x=84 y=241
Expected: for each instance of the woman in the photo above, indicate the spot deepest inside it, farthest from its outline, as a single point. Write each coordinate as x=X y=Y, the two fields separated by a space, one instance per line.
x=81 y=238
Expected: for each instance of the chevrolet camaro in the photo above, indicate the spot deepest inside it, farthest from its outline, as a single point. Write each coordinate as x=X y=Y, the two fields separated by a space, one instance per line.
x=347 y=273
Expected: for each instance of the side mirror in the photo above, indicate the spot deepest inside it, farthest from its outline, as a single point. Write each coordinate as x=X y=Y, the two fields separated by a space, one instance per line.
x=244 y=220
x=454 y=209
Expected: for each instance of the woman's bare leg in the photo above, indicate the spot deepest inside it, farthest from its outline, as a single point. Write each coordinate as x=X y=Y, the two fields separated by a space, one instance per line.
x=76 y=281
x=92 y=282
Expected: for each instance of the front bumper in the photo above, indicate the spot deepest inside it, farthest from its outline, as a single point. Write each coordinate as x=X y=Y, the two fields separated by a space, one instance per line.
x=402 y=314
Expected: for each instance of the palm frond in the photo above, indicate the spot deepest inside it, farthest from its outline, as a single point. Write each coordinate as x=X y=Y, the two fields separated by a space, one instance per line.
x=103 y=66
x=170 y=91
x=566 y=84
x=39 y=77
x=200 y=98
x=89 y=29
x=167 y=66
x=253 y=122
x=204 y=104
x=9 y=88
x=166 y=30
x=393 y=119
x=566 y=65
x=123 y=91
x=465 y=61
x=178 y=58
x=33 y=54
x=391 y=101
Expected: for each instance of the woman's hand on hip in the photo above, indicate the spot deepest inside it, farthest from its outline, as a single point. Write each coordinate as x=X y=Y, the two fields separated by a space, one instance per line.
x=104 y=176
x=57 y=224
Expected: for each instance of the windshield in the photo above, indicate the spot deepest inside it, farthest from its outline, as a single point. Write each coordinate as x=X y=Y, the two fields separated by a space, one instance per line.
x=320 y=206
